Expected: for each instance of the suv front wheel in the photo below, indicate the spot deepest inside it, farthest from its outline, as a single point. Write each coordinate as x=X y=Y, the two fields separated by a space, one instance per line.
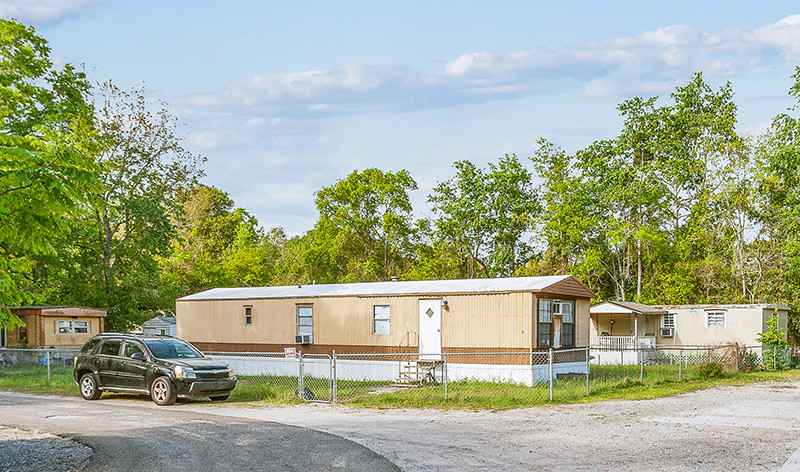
x=88 y=385
x=162 y=392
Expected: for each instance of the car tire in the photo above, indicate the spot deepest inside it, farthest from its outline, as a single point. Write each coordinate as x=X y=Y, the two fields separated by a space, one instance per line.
x=88 y=387
x=219 y=398
x=162 y=392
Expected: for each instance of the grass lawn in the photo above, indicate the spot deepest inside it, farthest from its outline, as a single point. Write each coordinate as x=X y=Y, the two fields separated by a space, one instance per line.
x=606 y=383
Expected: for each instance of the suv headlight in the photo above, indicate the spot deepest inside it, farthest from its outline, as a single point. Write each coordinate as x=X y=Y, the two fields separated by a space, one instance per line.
x=184 y=373
x=230 y=372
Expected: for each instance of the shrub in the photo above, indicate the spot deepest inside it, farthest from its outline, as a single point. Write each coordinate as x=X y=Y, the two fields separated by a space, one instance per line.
x=710 y=370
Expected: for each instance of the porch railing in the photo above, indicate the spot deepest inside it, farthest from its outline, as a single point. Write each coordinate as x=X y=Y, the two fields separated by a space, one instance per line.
x=621 y=343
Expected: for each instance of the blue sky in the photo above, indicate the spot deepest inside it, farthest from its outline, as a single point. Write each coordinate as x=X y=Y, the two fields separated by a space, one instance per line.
x=284 y=98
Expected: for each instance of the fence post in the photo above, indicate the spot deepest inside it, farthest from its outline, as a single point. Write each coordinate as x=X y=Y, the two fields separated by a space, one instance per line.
x=335 y=392
x=774 y=358
x=48 y=366
x=641 y=364
x=300 y=389
x=550 y=361
x=588 y=370
x=444 y=373
x=680 y=369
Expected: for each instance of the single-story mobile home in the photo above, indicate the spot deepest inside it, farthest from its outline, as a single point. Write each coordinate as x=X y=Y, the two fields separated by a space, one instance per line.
x=626 y=326
x=502 y=315
x=56 y=326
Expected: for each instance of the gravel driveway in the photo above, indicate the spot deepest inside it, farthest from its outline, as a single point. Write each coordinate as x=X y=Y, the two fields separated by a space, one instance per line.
x=751 y=428
x=755 y=427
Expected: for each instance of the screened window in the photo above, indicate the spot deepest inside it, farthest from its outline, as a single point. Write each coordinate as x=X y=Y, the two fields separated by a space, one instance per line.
x=305 y=320
x=73 y=327
x=381 y=319
x=248 y=316
x=668 y=320
x=715 y=319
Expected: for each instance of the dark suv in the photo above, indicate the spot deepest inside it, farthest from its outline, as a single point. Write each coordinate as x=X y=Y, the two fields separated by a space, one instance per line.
x=160 y=366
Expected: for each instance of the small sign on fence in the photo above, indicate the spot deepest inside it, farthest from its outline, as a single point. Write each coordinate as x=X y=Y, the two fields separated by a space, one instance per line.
x=290 y=352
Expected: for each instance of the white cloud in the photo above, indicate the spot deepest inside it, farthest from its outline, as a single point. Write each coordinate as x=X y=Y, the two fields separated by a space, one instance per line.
x=652 y=62
x=43 y=11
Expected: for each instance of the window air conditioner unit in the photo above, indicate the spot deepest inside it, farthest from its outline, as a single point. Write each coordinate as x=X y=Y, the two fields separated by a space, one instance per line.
x=667 y=332
x=302 y=339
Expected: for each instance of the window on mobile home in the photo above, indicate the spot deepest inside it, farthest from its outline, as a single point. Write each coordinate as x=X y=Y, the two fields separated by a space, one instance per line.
x=715 y=319
x=248 y=316
x=305 y=320
x=381 y=319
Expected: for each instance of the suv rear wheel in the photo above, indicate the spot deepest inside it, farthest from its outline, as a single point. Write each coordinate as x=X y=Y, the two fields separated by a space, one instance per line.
x=88 y=384
x=162 y=392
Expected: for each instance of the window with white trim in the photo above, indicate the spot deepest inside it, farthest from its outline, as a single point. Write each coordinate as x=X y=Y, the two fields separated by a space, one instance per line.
x=715 y=319
x=381 y=319
x=305 y=319
x=248 y=316
x=668 y=320
x=73 y=327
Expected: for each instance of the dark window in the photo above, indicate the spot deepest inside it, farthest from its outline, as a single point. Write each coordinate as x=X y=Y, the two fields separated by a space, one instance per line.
x=568 y=334
x=110 y=348
x=545 y=327
x=248 y=316
x=172 y=349
x=90 y=345
x=131 y=349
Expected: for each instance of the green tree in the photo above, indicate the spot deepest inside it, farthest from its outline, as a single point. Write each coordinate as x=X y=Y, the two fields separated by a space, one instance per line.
x=485 y=216
x=47 y=169
x=778 y=206
x=217 y=245
x=365 y=228
x=110 y=260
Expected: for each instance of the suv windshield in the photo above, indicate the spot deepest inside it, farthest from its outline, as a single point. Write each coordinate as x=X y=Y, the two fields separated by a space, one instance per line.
x=172 y=349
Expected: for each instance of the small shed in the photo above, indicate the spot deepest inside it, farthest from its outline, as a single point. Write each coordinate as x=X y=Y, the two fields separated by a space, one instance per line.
x=161 y=325
x=53 y=326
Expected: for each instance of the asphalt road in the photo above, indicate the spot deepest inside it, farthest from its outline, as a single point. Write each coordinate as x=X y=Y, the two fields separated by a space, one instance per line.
x=136 y=435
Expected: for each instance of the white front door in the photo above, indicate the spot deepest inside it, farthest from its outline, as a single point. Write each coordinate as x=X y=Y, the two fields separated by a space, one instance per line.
x=430 y=329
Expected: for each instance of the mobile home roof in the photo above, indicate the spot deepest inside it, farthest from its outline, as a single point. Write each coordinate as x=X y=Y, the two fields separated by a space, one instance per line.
x=422 y=287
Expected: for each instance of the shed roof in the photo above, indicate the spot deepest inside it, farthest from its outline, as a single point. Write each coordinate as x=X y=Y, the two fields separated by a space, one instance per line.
x=560 y=284
x=613 y=306
x=159 y=321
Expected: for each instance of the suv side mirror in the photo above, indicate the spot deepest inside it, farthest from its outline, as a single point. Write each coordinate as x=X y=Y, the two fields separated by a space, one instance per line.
x=137 y=356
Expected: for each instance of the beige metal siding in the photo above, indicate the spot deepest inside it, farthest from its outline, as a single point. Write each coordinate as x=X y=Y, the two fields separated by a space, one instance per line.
x=742 y=325
x=488 y=321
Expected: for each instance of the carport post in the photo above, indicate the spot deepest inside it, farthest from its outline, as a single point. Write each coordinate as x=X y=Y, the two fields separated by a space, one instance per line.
x=300 y=378
x=550 y=361
x=333 y=375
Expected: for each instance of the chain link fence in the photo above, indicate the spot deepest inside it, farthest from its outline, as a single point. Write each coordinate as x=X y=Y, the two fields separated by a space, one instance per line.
x=36 y=362
x=657 y=363
x=274 y=375
x=499 y=378
x=512 y=377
